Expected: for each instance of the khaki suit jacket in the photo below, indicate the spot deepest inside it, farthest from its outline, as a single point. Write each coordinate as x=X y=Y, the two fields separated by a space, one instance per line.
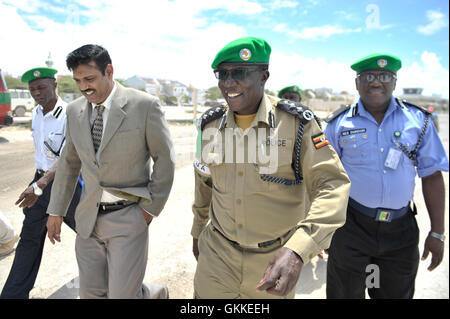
x=136 y=133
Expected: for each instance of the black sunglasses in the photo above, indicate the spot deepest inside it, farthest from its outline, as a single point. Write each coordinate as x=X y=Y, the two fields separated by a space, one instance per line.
x=385 y=77
x=236 y=74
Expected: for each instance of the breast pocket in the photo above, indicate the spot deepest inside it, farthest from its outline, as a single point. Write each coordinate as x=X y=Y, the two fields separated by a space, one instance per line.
x=409 y=142
x=129 y=141
x=355 y=149
x=222 y=175
x=54 y=142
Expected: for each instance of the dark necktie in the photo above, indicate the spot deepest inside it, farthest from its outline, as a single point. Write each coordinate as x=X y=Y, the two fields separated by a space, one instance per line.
x=97 y=128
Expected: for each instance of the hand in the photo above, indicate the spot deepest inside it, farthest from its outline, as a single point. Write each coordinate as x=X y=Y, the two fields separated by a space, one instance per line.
x=27 y=198
x=54 y=228
x=195 y=248
x=147 y=216
x=320 y=255
x=436 y=247
x=282 y=273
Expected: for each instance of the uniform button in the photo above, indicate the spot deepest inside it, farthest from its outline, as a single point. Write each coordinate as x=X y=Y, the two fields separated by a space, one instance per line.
x=354 y=145
x=381 y=150
x=239 y=201
x=384 y=171
x=241 y=173
x=240 y=226
x=379 y=130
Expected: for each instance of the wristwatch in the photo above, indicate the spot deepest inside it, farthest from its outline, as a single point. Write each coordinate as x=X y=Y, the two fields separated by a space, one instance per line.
x=37 y=190
x=438 y=236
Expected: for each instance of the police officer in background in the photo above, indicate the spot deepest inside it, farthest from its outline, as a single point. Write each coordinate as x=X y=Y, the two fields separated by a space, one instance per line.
x=260 y=233
x=292 y=93
x=48 y=131
x=382 y=141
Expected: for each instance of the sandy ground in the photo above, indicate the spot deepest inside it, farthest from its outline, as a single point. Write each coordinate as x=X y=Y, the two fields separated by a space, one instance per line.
x=170 y=259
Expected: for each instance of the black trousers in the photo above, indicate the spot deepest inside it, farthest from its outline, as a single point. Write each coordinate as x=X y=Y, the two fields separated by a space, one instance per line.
x=27 y=259
x=382 y=257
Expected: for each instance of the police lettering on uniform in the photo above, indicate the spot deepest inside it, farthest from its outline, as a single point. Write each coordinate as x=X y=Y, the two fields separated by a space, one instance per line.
x=382 y=142
x=48 y=131
x=252 y=232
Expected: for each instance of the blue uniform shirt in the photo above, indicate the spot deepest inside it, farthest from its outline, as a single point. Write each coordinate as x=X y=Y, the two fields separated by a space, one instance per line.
x=363 y=147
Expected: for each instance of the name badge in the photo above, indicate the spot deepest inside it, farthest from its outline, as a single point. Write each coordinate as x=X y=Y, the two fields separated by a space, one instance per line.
x=393 y=158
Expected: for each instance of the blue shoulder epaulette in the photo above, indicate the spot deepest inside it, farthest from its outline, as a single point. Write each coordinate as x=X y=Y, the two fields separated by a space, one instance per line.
x=296 y=109
x=210 y=115
x=404 y=103
x=337 y=112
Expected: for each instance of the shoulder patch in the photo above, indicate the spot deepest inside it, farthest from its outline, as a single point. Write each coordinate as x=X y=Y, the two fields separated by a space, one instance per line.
x=337 y=112
x=210 y=115
x=296 y=109
x=404 y=103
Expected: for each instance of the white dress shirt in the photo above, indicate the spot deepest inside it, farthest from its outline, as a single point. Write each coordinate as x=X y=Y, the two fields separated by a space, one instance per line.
x=48 y=129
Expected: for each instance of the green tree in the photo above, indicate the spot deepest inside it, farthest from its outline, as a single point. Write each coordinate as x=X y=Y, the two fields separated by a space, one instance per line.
x=213 y=93
x=14 y=83
x=66 y=84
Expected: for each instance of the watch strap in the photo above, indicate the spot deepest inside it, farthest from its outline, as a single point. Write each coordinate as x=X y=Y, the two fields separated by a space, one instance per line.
x=441 y=237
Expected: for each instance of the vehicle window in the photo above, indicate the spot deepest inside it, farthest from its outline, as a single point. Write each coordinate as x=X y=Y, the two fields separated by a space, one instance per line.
x=28 y=95
x=23 y=95
x=14 y=95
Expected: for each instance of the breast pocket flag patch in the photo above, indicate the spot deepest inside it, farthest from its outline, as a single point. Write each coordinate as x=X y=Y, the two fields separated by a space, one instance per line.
x=320 y=140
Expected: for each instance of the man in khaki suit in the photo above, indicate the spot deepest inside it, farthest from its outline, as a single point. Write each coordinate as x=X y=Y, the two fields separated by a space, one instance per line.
x=112 y=132
x=259 y=159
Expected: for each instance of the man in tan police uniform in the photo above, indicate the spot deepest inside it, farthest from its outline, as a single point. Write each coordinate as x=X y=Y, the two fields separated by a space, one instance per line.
x=257 y=159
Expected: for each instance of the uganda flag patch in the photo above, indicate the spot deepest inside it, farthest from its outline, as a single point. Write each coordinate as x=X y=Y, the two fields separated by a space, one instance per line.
x=320 y=140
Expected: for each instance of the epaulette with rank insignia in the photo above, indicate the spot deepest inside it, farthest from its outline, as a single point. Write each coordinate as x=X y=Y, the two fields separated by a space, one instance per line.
x=210 y=115
x=57 y=111
x=337 y=112
x=296 y=109
x=404 y=103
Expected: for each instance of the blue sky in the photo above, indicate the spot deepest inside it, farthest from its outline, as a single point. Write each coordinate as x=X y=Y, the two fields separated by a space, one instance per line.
x=313 y=41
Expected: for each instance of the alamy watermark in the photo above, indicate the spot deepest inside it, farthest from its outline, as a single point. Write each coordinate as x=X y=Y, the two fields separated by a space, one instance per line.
x=257 y=146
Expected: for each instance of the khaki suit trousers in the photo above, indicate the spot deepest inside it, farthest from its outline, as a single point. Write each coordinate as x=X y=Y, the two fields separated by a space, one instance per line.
x=227 y=272
x=113 y=259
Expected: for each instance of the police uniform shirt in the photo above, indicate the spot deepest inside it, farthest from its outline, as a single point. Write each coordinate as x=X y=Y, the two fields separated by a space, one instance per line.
x=248 y=210
x=363 y=146
x=49 y=128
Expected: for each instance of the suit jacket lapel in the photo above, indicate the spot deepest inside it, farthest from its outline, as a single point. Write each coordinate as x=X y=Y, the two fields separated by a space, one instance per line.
x=85 y=127
x=115 y=117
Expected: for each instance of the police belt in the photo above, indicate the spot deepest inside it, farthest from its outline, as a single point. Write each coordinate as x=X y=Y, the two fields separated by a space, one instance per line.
x=105 y=208
x=264 y=244
x=390 y=214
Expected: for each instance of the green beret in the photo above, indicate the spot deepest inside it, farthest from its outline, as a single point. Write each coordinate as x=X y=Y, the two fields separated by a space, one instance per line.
x=38 y=73
x=378 y=61
x=293 y=88
x=246 y=50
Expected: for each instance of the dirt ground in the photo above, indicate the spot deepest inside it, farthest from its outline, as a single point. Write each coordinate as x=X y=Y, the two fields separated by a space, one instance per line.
x=170 y=258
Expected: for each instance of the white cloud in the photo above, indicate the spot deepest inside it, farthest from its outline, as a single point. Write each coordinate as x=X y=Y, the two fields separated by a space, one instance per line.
x=280 y=4
x=29 y=6
x=314 y=33
x=436 y=20
x=309 y=73
x=150 y=41
x=428 y=74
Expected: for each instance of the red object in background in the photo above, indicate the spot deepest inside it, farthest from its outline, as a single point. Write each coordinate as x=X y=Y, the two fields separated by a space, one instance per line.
x=5 y=103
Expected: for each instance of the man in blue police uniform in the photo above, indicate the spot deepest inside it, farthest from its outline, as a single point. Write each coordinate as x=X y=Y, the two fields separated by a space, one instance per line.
x=48 y=131
x=382 y=142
